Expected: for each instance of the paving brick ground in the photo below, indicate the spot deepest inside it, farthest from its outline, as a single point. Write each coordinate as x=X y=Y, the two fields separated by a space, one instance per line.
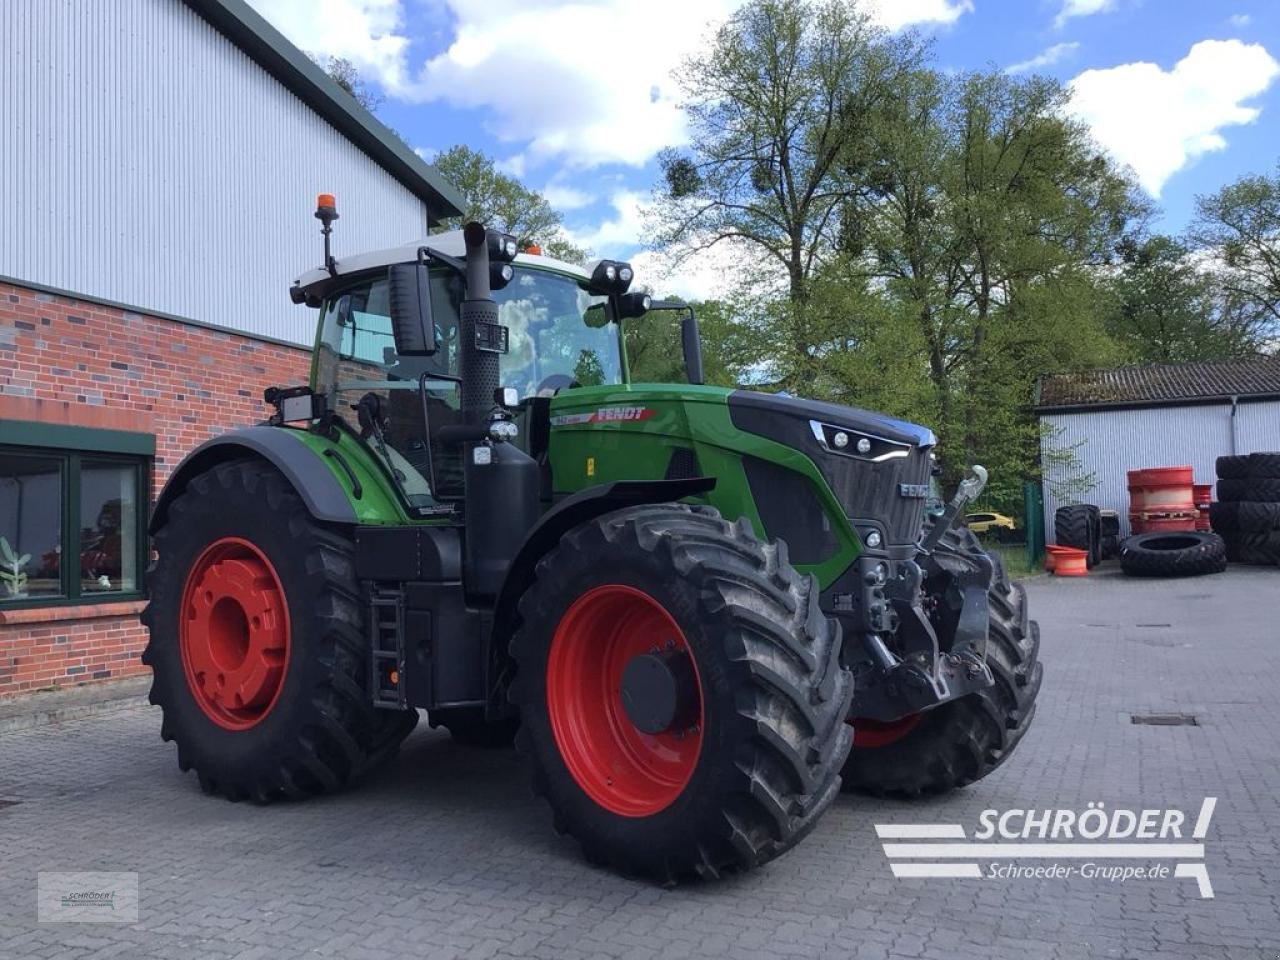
x=443 y=854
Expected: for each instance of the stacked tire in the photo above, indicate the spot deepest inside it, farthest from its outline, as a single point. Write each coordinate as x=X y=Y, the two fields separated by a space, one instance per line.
x=1247 y=513
x=1079 y=525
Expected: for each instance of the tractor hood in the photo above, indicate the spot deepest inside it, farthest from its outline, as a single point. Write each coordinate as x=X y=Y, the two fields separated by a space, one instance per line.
x=747 y=407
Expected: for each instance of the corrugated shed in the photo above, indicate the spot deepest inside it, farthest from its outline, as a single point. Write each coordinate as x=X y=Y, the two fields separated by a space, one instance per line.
x=149 y=161
x=1107 y=443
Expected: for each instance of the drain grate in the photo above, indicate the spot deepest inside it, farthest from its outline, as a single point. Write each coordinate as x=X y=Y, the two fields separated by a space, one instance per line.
x=1165 y=719
x=8 y=803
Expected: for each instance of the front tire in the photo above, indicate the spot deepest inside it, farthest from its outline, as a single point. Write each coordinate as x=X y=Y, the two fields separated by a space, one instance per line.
x=257 y=642
x=754 y=757
x=963 y=740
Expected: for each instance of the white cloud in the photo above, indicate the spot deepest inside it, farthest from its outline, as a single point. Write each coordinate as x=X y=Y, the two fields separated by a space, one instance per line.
x=563 y=197
x=1240 y=19
x=366 y=32
x=1055 y=54
x=589 y=83
x=896 y=14
x=716 y=273
x=619 y=235
x=427 y=153
x=1081 y=8
x=1159 y=120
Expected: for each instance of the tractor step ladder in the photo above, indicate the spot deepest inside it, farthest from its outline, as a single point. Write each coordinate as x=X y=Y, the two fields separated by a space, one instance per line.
x=386 y=667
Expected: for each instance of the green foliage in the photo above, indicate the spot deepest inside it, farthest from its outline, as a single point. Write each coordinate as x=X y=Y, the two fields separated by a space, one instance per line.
x=501 y=201
x=1166 y=307
x=1240 y=226
x=11 y=569
x=730 y=346
x=345 y=74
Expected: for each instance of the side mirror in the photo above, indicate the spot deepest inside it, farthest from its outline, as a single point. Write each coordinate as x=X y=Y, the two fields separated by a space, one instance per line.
x=412 y=325
x=691 y=340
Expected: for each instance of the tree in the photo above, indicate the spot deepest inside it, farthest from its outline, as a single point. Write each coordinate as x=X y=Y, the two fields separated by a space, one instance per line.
x=731 y=355
x=1240 y=225
x=503 y=202
x=1167 y=307
x=345 y=74
x=776 y=108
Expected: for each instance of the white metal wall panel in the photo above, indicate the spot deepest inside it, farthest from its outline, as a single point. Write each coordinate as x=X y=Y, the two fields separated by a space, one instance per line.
x=146 y=159
x=1112 y=442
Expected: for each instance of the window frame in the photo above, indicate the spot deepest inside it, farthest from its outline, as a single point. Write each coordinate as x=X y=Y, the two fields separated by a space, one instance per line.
x=108 y=453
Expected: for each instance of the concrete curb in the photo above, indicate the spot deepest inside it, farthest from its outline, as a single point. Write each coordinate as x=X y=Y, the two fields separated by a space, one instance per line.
x=74 y=703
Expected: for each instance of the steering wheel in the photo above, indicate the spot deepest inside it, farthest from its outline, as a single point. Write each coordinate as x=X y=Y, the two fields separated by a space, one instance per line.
x=554 y=383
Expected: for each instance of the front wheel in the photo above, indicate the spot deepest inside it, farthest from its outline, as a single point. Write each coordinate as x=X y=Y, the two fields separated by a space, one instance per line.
x=680 y=693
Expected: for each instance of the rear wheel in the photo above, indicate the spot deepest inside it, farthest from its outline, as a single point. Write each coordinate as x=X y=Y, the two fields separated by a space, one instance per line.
x=680 y=693
x=963 y=740
x=257 y=646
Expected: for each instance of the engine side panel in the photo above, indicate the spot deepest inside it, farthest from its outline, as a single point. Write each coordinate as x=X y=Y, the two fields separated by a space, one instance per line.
x=650 y=432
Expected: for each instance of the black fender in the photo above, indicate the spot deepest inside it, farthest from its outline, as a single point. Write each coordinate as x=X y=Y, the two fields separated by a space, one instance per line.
x=315 y=483
x=546 y=533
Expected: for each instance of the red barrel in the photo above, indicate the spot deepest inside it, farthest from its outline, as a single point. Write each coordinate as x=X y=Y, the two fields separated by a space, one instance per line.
x=1202 y=493
x=1162 y=499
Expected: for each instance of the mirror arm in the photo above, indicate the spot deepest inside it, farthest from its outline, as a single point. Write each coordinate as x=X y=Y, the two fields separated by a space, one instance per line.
x=453 y=263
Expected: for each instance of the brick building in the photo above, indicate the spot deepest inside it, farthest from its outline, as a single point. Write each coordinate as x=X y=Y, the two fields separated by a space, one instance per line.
x=158 y=208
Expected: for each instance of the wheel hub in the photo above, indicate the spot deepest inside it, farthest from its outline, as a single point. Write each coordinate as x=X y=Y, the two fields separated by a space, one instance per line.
x=659 y=691
x=234 y=633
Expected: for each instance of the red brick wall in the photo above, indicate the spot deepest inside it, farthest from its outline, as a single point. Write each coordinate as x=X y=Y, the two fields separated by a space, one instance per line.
x=76 y=362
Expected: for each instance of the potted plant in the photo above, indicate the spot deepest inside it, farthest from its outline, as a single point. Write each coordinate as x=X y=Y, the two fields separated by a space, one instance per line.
x=12 y=574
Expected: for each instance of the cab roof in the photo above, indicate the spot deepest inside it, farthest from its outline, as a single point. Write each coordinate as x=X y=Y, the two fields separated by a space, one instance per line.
x=315 y=284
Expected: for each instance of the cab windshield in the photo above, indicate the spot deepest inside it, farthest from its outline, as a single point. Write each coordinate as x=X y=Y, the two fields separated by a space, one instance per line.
x=559 y=337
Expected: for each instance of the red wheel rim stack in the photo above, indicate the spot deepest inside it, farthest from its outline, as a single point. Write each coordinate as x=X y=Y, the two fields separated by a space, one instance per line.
x=1161 y=500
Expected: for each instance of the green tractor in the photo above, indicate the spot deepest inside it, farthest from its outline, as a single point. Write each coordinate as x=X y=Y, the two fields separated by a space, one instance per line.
x=698 y=611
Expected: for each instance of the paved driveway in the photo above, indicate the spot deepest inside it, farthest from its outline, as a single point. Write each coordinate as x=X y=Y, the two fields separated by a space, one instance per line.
x=445 y=854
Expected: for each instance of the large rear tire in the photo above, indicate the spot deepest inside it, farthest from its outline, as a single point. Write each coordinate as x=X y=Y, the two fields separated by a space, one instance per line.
x=964 y=740
x=257 y=643
x=748 y=761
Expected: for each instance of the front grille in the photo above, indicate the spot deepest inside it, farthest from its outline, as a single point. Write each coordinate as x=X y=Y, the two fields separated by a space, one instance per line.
x=869 y=489
x=790 y=510
x=873 y=491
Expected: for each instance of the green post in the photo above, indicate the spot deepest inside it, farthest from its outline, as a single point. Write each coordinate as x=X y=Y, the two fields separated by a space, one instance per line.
x=1033 y=508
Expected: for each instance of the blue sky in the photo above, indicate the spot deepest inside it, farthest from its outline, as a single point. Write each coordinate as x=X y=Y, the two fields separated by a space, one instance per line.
x=575 y=96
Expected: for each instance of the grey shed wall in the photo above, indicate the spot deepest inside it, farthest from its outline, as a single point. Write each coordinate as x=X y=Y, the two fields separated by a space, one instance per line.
x=147 y=160
x=1109 y=443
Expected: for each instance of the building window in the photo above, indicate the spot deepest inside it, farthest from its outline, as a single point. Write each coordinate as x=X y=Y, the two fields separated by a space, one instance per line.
x=72 y=526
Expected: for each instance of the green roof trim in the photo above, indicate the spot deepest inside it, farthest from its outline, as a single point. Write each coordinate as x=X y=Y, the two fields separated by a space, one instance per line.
x=57 y=436
x=267 y=47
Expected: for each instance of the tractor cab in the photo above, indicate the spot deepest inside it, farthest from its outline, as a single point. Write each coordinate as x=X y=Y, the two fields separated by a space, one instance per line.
x=553 y=333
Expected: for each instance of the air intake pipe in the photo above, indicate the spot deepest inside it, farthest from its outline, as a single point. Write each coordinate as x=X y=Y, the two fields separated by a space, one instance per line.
x=478 y=318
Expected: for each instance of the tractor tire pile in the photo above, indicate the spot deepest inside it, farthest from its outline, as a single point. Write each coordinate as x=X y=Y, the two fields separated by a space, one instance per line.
x=1247 y=514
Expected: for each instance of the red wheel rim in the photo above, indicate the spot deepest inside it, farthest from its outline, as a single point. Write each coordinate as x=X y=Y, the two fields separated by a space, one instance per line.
x=624 y=770
x=234 y=633
x=879 y=733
